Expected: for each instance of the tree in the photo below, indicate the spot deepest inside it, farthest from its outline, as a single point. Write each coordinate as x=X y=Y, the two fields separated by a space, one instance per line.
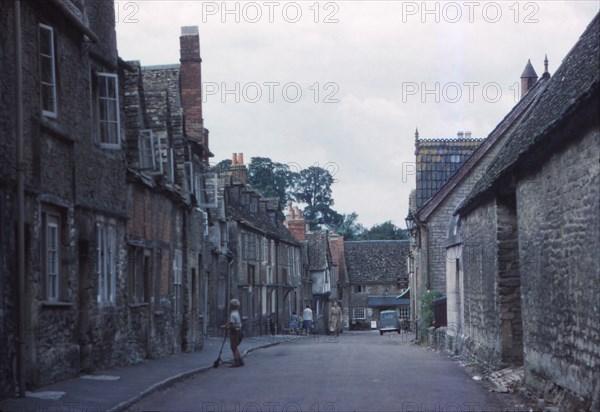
x=222 y=167
x=385 y=231
x=350 y=229
x=271 y=179
x=313 y=187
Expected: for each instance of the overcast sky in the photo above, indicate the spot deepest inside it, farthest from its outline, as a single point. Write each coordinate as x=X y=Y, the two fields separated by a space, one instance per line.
x=344 y=84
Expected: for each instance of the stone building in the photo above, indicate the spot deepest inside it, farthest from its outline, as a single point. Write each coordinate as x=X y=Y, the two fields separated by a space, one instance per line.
x=168 y=193
x=437 y=160
x=437 y=227
x=377 y=274
x=530 y=238
x=264 y=265
x=63 y=230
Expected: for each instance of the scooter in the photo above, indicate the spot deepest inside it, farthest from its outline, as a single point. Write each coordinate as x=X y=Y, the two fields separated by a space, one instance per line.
x=219 y=361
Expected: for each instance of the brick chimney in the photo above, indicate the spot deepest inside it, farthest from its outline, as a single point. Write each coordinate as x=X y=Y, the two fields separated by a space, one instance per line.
x=191 y=81
x=528 y=78
x=295 y=222
x=238 y=169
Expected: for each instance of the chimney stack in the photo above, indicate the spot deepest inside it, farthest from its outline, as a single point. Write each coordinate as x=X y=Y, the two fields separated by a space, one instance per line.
x=528 y=78
x=295 y=222
x=238 y=168
x=191 y=81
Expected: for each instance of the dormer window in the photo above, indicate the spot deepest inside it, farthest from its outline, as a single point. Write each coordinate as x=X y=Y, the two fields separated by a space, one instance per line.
x=149 y=152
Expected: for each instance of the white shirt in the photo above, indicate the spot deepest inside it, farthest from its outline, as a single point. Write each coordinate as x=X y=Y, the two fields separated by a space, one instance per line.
x=307 y=314
x=234 y=318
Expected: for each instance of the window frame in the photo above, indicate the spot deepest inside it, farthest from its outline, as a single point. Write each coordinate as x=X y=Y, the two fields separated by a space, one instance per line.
x=52 y=220
x=48 y=113
x=177 y=281
x=155 y=165
x=98 y=121
x=106 y=263
x=358 y=310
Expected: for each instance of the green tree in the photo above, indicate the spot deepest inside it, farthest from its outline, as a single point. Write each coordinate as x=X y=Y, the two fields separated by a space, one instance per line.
x=313 y=187
x=350 y=229
x=271 y=179
x=385 y=231
x=221 y=167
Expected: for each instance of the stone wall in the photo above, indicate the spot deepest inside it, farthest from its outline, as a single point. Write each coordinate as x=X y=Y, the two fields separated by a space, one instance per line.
x=559 y=230
x=481 y=309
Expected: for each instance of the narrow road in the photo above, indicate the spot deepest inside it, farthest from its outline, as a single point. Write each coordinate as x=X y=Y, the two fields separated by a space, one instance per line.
x=359 y=371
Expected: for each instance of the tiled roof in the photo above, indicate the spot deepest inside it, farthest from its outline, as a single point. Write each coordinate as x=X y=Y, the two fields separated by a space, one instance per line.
x=436 y=161
x=575 y=84
x=318 y=250
x=257 y=221
x=376 y=260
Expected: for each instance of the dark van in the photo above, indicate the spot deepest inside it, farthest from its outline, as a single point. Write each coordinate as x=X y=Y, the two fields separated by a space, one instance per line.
x=388 y=322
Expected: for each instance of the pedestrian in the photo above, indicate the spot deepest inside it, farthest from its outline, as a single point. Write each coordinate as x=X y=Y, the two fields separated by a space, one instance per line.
x=307 y=315
x=234 y=326
x=293 y=323
x=335 y=319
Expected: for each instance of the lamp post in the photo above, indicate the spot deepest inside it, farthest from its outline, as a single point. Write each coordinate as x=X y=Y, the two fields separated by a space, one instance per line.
x=410 y=223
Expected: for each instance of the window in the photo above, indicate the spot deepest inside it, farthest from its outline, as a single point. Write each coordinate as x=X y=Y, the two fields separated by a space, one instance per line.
x=360 y=288
x=170 y=166
x=139 y=272
x=178 y=281
x=106 y=115
x=106 y=261
x=48 y=71
x=207 y=195
x=249 y=246
x=455 y=158
x=149 y=152
x=189 y=177
x=51 y=251
x=205 y=221
x=358 y=313
x=404 y=312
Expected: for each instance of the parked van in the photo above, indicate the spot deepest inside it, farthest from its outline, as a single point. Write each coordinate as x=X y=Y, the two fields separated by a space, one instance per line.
x=388 y=322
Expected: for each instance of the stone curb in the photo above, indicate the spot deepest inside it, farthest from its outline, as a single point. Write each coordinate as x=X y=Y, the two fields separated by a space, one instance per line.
x=179 y=377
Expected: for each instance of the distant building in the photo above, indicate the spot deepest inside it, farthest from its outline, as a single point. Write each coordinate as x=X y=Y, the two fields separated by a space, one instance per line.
x=377 y=275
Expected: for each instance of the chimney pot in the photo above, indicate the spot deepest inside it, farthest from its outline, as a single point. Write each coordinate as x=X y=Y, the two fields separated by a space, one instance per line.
x=468 y=135
x=460 y=135
x=241 y=158
x=234 y=159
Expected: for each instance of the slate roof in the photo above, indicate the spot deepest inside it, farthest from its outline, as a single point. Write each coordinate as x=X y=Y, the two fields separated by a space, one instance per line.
x=436 y=161
x=376 y=261
x=318 y=250
x=574 y=85
x=257 y=221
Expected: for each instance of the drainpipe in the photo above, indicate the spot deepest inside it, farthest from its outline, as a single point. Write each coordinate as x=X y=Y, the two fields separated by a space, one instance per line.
x=20 y=203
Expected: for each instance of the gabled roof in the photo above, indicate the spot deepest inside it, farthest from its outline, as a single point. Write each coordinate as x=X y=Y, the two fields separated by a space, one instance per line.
x=495 y=137
x=376 y=261
x=257 y=221
x=575 y=85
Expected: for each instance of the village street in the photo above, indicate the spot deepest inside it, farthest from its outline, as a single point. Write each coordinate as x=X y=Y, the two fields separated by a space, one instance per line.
x=359 y=371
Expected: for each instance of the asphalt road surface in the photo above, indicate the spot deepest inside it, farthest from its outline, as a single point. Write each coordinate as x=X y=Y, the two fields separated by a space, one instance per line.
x=359 y=371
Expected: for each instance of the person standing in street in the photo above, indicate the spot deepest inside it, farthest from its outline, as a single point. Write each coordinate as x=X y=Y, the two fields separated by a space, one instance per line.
x=335 y=319
x=234 y=326
x=307 y=315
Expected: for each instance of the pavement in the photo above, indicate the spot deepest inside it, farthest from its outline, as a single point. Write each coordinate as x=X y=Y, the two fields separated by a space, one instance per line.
x=118 y=388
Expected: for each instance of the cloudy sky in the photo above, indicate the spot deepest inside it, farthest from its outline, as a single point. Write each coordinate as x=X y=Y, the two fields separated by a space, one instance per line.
x=344 y=84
